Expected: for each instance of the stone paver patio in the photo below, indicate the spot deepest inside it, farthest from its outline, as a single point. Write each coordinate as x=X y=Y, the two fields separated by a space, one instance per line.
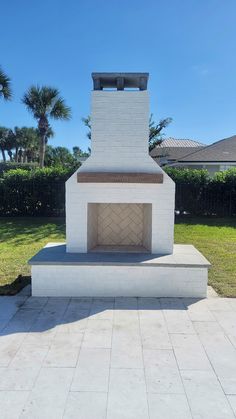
x=117 y=358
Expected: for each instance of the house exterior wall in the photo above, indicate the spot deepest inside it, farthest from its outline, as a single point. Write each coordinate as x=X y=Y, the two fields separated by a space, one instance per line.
x=211 y=168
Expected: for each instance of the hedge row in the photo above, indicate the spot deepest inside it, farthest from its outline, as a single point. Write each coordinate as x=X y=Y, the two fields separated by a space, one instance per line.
x=42 y=192
x=35 y=192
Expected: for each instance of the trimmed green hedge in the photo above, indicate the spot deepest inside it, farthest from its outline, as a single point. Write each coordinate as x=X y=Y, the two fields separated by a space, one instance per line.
x=38 y=192
x=199 y=194
x=41 y=192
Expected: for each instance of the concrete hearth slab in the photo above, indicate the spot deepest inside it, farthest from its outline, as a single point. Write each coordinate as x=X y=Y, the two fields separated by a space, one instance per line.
x=61 y=274
x=183 y=256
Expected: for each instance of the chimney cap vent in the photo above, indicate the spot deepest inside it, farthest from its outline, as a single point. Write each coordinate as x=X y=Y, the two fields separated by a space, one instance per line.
x=120 y=81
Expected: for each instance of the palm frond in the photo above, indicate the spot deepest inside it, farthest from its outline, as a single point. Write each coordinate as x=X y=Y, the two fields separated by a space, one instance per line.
x=44 y=102
x=60 y=110
x=5 y=86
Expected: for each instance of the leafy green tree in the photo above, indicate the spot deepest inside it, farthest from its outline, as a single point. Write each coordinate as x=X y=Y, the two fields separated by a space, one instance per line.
x=87 y=123
x=45 y=103
x=155 y=131
x=5 y=86
x=59 y=156
x=77 y=153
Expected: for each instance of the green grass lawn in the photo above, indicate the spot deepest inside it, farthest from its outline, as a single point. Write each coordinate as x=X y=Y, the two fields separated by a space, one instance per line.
x=21 y=238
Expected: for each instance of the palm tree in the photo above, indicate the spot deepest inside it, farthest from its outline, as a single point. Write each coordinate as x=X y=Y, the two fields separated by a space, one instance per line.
x=3 y=141
x=10 y=143
x=26 y=144
x=5 y=86
x=45 y=103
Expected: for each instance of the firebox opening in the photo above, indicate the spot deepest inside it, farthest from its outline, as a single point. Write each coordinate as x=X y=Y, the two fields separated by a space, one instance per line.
x=119 y=227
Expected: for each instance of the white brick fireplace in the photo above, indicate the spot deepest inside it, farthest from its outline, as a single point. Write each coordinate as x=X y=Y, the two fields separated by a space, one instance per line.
x=119 y=211
x=116 y=215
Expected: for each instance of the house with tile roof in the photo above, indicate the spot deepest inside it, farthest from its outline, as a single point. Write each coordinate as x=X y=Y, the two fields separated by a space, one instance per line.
x=172 y=149
x=215 y=157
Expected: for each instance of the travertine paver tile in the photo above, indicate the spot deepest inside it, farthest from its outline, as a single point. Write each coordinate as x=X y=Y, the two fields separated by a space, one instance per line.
x=74 y=339
x=207 y=328
x=48 y=397
x=81 y=303
x=9 y=345
x=21 y=322
x=168 y=406
x=154 y=333
x=126 y=356
x=40 y=338
x=3 y=323
x=127 y=397
x=62 y=355
x=126 y=329
x=29 y=356
x=227 y=320
x=172 y=304
x=222 y=355
x=18 y=378
x=126 y=303
x=149 y=304
x=189 y=352
x=98 y=334
x=232 y=402
x=205 y=395
x=55 y=306
x=12 y=403
x=35 y=303
x=198 y=310
x=64 y=350
x=161 y=371
x=73 y=324
x=92 y=371
x=178 y=321
x=86 y=405
x=232 y=339
x=219 y=304
x=10 y=305
x=232 y=302
x=44 y=323
x=102 y=309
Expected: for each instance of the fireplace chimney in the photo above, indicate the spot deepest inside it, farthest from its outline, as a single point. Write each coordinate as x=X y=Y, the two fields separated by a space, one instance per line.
x=120 y=124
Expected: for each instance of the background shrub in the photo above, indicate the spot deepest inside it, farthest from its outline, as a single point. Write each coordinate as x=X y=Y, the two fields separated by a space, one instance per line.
x=41 y=192
x=38 y=192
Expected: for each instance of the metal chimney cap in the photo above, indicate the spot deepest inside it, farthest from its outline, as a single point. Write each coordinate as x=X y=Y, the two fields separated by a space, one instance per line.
x=120 y=81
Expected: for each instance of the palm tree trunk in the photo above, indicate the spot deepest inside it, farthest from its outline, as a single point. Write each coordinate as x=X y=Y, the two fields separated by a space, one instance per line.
x=42 y=149
x=3 y=154
x=10 y=155
x=43 y=129
x=16 y=155
x=25 y=160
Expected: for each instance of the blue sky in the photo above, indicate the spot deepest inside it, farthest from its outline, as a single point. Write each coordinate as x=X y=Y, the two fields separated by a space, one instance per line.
x=187 y=46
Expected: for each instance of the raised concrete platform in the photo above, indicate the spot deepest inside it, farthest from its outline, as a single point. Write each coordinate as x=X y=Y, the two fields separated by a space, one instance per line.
x=58 y=273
